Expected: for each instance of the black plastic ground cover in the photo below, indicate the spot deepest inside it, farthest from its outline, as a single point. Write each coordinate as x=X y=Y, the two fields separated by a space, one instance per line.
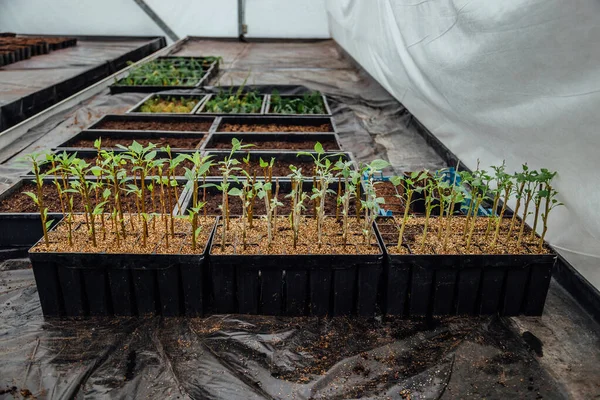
x=435 y=285
x=330 y=139
x=300 y=120
x=210 y=71
x=314 y=284
x=14 y=112
x=22 y=230
x=269 y=111
x=135 y=110
x=102 y=284
x=149 y=117
x=129 y=135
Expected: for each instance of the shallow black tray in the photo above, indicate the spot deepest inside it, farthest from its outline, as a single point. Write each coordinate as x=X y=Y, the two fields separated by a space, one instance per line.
x=304 y=120
x=285 y=187
x=200 y=97
x=149 y=117
x=98 y=133
x=210 y=72
x=22 y=229
x=325 y=103
x=280 y=156
x=431 y=285
x=248 y=138
x=295 y=284
x=99 y=284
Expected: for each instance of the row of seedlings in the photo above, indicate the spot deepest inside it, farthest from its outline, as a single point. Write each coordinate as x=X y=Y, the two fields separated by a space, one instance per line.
x=170 y=73
x=442 y=261
x=235 y=101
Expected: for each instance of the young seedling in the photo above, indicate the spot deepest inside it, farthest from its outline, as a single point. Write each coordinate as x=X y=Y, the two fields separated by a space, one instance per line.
x=530 y=178
x=228 y=166
x=351 y=180
x=80 y=169
x=298 y=197
x=142 y=159
x=408 y=183
x=480 y=186
x=549 y=194
x=38 y=160
x=263 y=190
x=543 y=178
x=324 y=176
x=371 y=203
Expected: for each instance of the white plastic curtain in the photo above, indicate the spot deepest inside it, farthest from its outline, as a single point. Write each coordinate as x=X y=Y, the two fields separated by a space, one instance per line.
x=514 y=80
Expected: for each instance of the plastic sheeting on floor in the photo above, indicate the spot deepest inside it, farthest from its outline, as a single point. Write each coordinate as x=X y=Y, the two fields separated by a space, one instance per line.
x=515 y=80
x=249 y=357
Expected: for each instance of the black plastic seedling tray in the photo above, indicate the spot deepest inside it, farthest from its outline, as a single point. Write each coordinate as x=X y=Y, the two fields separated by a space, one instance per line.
x=329 y=139
x=22 y=229
x=129 y=135
x=286 y=158
x=312 y=284
x=433 y=285
x=101 y=284
x=268 y=109
x=18 y=230
x=210 y=71
x=136 y=109
x=200 y=110
x=149 y=117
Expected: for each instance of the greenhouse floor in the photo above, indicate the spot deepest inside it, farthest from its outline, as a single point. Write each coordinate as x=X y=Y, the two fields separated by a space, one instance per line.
x=556 y=356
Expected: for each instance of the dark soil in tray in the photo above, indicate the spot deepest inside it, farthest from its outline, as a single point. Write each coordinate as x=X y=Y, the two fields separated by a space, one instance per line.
x=274 y=128
x=179 y=171
x=392 y=203
x=280 y=168
x=214 y=199
x=19 y=202
x=112 y=142
x=279 y=145
x=156 y=126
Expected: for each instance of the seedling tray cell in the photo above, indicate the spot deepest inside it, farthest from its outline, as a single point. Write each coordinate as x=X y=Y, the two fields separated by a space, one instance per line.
x=282 y=162
x=275 y=141
x=269 y=107
x=137 y=108
x=177 y=140
x=209 y=69
x=276 y=124
x=145 y=122
x=22 y=229
x=201 y=108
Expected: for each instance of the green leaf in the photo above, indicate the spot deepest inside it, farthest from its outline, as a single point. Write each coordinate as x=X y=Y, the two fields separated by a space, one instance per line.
x=235 y=192
x=319 y=148
x=33 y=196
x=378 y=165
